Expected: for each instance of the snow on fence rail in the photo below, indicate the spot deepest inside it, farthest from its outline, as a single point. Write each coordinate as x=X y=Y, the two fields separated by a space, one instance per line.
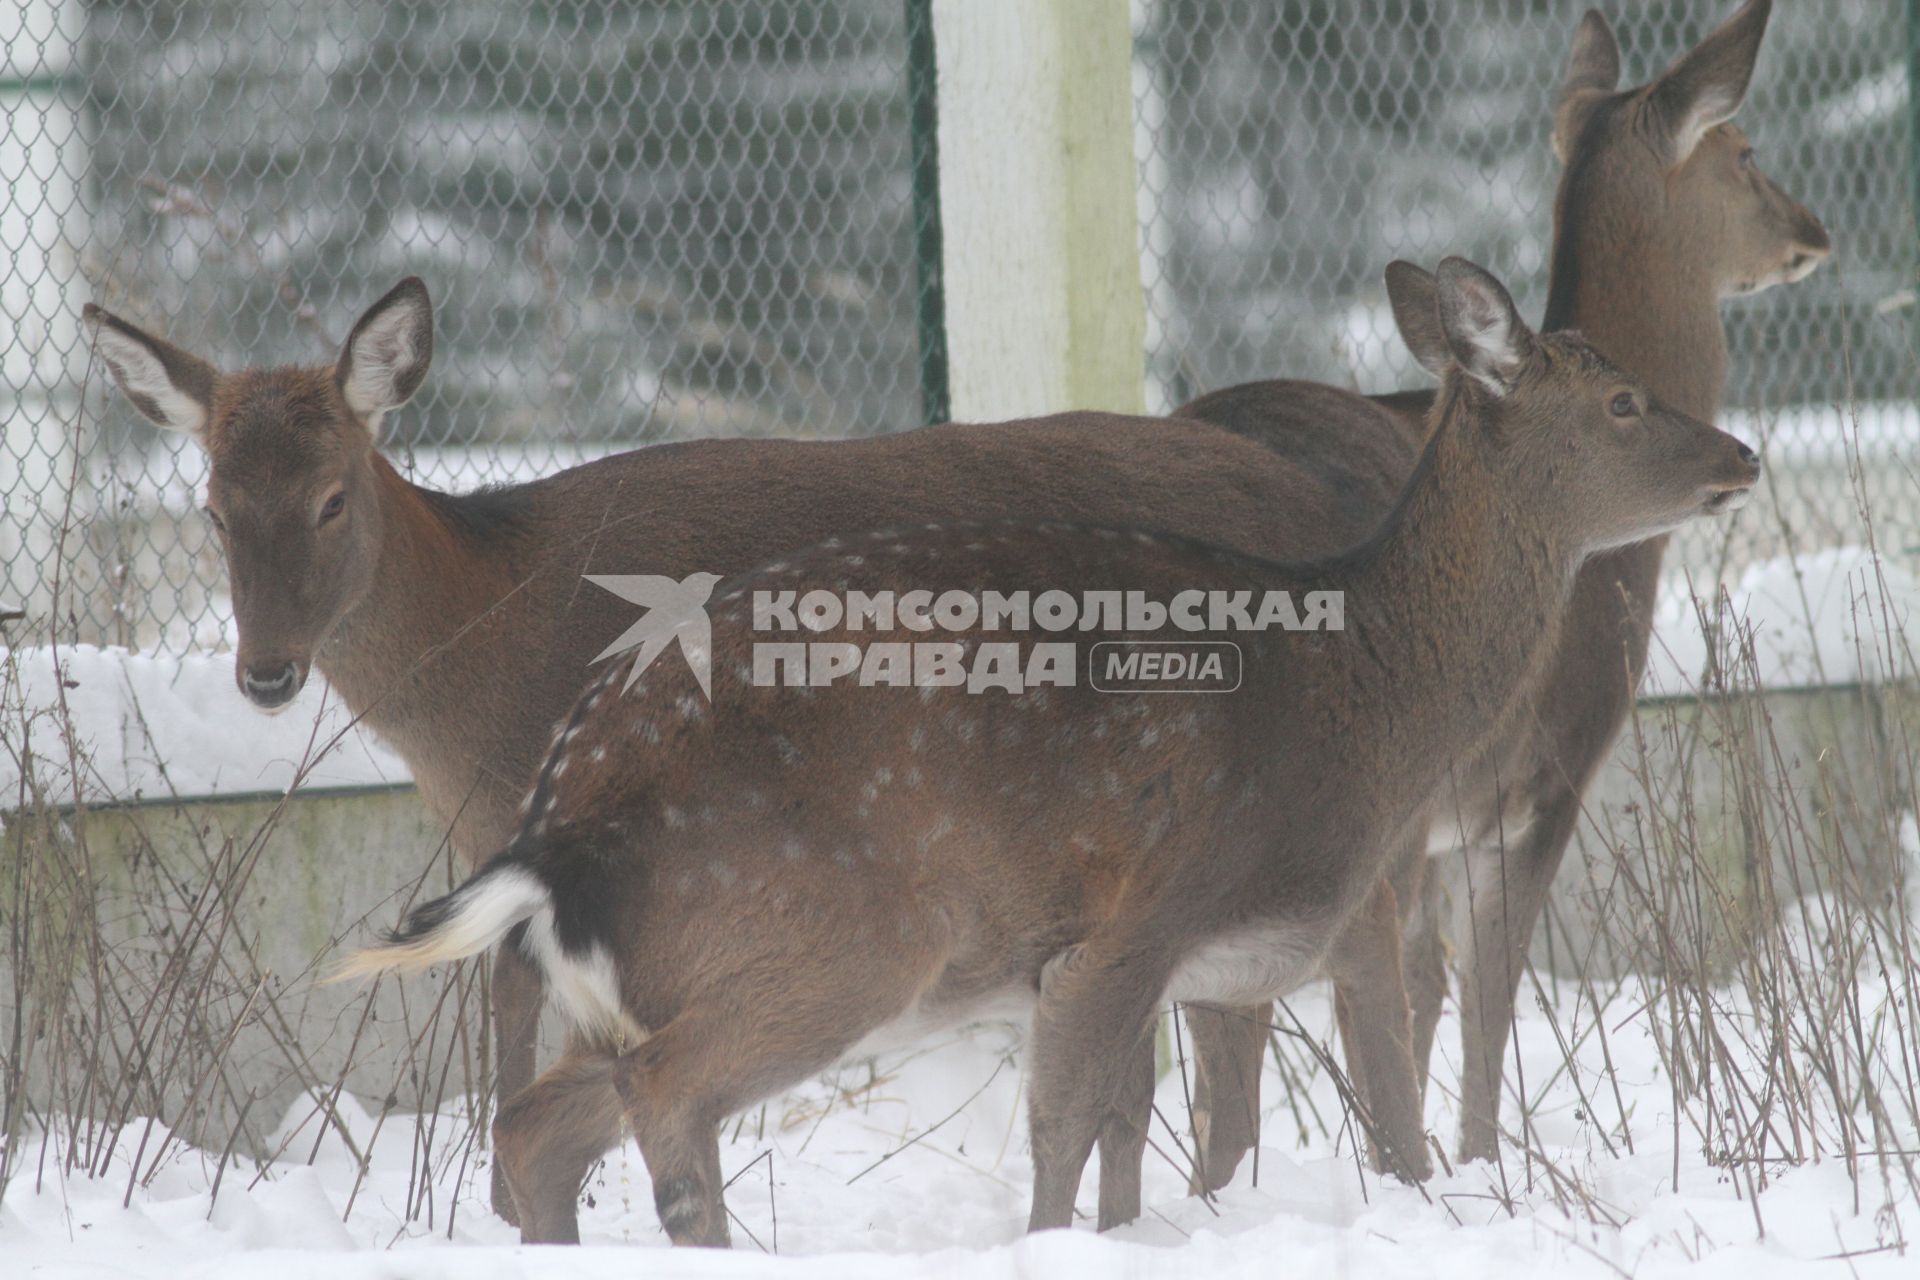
x=152 y=725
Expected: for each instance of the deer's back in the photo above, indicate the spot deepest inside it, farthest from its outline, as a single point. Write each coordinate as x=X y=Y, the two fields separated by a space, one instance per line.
x=723 y=506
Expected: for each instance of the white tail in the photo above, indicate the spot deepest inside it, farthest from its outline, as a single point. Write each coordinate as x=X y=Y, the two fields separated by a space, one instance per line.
x=507 y=894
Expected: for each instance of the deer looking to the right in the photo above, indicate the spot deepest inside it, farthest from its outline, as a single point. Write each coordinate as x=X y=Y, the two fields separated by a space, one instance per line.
x=727 y=899
x=1662 y=212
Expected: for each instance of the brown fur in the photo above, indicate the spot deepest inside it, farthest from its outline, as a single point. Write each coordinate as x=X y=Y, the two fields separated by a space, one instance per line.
x=775 y=877
x=460 y=629
x=1644 y=249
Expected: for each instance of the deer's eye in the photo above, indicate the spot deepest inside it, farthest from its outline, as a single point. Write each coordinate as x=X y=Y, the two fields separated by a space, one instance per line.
x=1623 y=406
x=335 y=505
x=1746 y=157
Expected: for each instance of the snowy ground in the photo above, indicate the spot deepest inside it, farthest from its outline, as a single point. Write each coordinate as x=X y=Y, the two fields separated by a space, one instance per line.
x=951 y=1200
x=918 y=1166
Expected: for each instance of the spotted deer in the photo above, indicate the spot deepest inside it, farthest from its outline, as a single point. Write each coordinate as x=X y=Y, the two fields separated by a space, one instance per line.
x=1662 y=212
x=457 y=627
x=727 y=898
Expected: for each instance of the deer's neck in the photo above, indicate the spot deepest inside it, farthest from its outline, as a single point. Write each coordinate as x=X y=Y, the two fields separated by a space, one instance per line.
x=1457 y=605
x=434 y=583
x=1649 y=308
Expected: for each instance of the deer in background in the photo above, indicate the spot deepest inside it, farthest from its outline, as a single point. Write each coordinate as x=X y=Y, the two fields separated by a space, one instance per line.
x=1088 y=855
x=458 y=629
x=1661 y=213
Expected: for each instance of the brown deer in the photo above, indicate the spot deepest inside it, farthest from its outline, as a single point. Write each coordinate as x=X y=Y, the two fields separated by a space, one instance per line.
x=728 y=898
x=459 y=629
x=1661 y=213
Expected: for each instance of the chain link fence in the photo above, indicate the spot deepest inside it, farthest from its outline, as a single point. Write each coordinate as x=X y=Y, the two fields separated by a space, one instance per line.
x=1290 y=150
x=652 y=219
x=640 y=221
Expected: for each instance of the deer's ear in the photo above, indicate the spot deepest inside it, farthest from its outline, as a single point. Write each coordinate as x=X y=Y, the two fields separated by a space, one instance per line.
x=1416 y=311
x=386 y=356
x=1484 y=331
x=1706 y=86
x=1593 y=73
x=170 y=388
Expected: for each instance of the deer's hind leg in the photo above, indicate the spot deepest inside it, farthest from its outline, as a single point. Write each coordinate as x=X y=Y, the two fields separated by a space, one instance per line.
x=517 y=998
x=1097 y=1002
x=1229 y=1049
x=547 y=1137
x=1123 y=1138
x=750 y=1032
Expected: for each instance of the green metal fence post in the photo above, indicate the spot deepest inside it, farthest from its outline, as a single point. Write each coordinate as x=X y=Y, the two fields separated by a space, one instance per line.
x=923 y=107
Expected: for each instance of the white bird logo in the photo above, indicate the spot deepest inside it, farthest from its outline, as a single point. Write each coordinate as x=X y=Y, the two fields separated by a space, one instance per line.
x=675 y=611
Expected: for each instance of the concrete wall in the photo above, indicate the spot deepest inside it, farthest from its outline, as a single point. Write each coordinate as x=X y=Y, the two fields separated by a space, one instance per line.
x=1714 y=813
x=1837 y=771
x=215 y=921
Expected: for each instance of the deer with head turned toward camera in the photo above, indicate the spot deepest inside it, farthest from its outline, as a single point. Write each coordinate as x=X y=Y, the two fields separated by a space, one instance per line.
x=459 y=628
x=725 y=899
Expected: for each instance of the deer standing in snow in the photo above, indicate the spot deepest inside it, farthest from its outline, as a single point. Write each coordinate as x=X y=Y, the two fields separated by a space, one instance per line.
x=725 y=899
x=1662 y=212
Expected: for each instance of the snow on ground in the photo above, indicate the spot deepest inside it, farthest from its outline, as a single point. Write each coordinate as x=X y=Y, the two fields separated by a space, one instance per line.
x=158 y=725
x=952 y=1199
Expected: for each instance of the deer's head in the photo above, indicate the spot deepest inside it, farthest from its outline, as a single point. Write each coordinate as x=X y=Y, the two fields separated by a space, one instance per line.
x=1553 y=416
x=1664 y=161
x=292 y=487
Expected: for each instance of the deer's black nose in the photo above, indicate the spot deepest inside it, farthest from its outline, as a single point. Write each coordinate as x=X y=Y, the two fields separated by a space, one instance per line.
x=1747 y=455
x=270 y=684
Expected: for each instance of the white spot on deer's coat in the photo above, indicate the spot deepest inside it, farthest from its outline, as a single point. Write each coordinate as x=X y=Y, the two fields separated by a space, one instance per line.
x=941 y=828
x=673 y=817
x=793 y=848
x=597 y=755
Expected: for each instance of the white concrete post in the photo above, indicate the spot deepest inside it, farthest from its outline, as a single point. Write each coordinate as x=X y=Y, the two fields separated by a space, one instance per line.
x=1044 y=306
x=43 y=164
